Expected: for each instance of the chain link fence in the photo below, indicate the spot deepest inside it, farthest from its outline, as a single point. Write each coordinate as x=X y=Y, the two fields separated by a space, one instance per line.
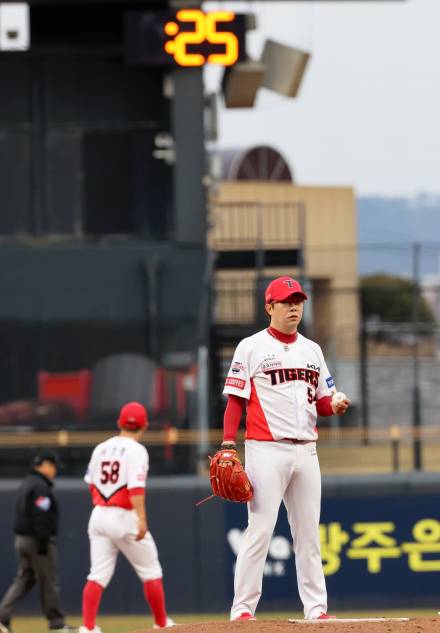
x=385 y=356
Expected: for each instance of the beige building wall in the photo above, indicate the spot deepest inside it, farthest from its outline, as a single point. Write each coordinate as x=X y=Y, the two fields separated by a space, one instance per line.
x=273 y=215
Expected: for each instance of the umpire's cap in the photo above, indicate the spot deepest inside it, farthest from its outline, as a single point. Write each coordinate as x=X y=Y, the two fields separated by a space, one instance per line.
x=282 y=288
x=46 y=455
x=133 y=417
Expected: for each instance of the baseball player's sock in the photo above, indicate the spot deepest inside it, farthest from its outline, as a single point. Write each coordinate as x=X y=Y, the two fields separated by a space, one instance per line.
x=155 y=596
x=90 y=603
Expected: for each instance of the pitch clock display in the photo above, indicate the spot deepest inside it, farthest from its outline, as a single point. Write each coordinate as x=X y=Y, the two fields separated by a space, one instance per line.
x=187 y=37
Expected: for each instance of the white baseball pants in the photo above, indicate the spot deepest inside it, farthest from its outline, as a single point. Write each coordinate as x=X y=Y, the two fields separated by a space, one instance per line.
x=114 y=529
x=282 y=471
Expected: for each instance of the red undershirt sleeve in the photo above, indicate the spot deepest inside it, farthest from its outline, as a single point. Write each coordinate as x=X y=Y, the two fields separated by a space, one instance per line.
x=132 y=492
x=324 y=406
x=232 y=417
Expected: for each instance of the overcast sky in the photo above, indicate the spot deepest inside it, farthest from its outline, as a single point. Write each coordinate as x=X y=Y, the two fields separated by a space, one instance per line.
x=368 y=111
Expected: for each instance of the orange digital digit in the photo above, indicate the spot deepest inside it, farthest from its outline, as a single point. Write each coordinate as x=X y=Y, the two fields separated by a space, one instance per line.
x=178 y=46
x=204 y=31
x=227 y=38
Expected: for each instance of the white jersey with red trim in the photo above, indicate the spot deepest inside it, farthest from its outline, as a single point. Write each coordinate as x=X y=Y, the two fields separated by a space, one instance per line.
x=118 y=468
x=281 y=382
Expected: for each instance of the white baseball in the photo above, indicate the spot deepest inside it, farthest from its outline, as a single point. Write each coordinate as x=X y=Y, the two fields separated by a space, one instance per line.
x=338 y=397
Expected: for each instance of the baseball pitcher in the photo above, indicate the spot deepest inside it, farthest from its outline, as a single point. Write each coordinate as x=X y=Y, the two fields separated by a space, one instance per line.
x=282 y=380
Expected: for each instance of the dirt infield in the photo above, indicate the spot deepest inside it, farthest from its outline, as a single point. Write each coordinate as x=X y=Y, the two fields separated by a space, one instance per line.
x=413 y=625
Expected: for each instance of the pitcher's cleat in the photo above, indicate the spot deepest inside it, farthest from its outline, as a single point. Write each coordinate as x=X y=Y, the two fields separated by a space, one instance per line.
x=169 y=623
x=244 y=616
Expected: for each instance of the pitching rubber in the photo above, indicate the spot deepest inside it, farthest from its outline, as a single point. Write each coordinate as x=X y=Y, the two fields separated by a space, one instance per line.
x=345 y=620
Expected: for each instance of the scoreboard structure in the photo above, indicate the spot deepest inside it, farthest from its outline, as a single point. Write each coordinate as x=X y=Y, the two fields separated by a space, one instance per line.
x=103 y=125
x=102 y=166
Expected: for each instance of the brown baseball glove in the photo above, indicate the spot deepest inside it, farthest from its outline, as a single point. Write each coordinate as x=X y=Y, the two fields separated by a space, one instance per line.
x=228 y=477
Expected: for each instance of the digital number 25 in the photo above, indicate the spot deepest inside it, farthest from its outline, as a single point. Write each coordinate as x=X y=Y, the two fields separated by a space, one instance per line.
x=205 y=29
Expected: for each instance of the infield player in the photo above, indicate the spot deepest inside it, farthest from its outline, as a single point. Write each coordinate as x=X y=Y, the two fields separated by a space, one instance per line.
x=282 y=380
x=116 y=475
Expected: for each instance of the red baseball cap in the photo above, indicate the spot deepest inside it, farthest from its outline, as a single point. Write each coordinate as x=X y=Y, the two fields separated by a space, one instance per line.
x=282 y=288
x=133 y=416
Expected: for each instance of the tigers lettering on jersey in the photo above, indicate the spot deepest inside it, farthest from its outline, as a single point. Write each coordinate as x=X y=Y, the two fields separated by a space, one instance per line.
x=276 y=381
x=278 y=376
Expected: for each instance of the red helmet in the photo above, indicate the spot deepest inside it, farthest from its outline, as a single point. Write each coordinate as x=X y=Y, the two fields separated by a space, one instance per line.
x=133 y=416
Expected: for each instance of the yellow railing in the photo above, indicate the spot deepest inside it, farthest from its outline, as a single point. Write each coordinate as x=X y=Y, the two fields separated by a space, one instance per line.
x=175 y=436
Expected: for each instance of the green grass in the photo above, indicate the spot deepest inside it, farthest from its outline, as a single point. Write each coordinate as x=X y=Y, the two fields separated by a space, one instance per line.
x=122 y=623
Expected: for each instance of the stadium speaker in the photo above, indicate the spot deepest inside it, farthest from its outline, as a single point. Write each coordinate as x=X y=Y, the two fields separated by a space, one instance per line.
x=284 y=66
x=240 y=84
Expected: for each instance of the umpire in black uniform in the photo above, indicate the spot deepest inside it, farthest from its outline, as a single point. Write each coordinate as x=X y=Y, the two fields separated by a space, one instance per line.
x=35 y=528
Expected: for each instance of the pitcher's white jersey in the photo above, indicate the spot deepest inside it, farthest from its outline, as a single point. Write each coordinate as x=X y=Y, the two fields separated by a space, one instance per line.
x=281 y=382
x=117 y=470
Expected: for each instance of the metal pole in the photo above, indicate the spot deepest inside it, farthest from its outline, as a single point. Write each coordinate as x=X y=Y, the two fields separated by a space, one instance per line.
x=203 y=365
x=202 y=407
x=417 y=448
x=38 y=154
x=302 y=240
x=395 y=446
x=150 y=267
x=363 y=369
x=306 y=321
x=260 y=262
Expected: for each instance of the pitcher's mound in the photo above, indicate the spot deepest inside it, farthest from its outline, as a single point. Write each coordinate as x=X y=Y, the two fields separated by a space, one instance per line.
x=367 y=625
